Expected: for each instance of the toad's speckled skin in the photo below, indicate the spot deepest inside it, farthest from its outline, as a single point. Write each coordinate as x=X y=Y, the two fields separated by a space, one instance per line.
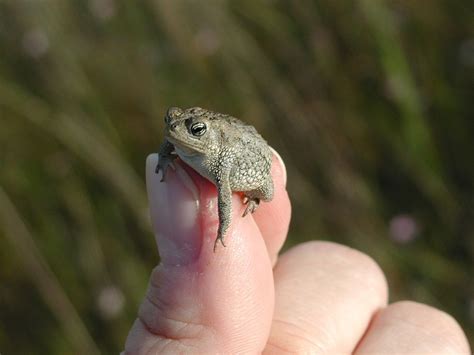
x=223 y=149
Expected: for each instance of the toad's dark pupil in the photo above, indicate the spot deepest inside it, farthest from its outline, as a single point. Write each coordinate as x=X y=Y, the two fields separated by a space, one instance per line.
x=198 y=129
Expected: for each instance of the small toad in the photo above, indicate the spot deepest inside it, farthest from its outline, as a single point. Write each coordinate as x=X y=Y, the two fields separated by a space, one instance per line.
x=224 y=150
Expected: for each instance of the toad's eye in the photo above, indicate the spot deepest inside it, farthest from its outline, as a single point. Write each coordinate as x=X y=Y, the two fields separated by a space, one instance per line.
x=198 y=129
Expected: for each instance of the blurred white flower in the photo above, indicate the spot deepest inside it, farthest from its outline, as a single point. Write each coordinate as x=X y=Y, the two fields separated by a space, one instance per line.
x=207 y=41
x=403 y=228
x=110 y=302
x=35 y=43
x=102 y=9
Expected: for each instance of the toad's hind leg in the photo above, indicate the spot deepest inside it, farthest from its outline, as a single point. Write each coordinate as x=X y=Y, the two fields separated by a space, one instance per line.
x=252 y=198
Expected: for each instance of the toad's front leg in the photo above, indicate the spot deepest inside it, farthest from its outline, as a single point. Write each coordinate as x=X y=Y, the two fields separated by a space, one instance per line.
x=224 y=205
x=166 y=156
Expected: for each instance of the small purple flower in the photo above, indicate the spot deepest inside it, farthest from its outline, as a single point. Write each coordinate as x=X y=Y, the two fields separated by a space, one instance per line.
x=403 y=228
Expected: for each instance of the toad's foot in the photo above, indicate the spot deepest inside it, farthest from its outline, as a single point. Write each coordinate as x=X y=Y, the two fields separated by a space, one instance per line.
x=163 y=165
x=252 y=204
x=165 y=158
x=218 y=239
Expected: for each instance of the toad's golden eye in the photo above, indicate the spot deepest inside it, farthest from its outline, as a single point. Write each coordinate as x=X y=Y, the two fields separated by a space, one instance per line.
x=198 y=129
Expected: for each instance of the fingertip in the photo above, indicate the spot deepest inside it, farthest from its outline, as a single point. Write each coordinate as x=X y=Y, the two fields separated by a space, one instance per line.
x=273 y=217
x=279 y=169
x=151 y=165
x=151 y=160
x=418 y=328
x=174 y=212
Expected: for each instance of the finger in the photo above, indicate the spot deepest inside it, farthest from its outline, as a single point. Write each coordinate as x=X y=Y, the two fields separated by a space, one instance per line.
x=413 y=328
x=273 y=218
x=325 y=296
x=198 y=300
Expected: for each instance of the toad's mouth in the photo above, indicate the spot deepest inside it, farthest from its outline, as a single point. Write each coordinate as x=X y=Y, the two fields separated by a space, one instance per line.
x=184 y=147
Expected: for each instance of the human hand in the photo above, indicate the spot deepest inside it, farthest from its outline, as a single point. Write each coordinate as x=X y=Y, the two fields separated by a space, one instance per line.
x=317 y=297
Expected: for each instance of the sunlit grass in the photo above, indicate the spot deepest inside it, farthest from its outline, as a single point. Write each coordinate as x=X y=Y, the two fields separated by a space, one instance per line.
x=367 y=102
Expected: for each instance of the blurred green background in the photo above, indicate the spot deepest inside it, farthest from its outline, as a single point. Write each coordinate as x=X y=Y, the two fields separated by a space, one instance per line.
x=370 y=103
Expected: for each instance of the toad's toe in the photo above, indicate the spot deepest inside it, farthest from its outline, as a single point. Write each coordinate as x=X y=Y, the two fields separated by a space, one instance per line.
x=252 y=205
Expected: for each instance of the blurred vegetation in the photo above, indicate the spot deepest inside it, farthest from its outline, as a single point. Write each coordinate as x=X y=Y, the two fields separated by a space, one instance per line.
x=370 y=103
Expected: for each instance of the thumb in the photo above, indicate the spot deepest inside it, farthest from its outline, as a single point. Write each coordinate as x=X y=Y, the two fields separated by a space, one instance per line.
x=198 y=300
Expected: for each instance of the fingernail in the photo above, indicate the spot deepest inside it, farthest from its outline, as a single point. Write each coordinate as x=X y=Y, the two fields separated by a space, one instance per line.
x=174 y=207
x=282 y=164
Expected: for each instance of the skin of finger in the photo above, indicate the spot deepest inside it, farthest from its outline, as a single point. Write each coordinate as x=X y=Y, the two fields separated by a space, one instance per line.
x=218 y=302
x=325 y=297
x=413 y=328
x=273 y=218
